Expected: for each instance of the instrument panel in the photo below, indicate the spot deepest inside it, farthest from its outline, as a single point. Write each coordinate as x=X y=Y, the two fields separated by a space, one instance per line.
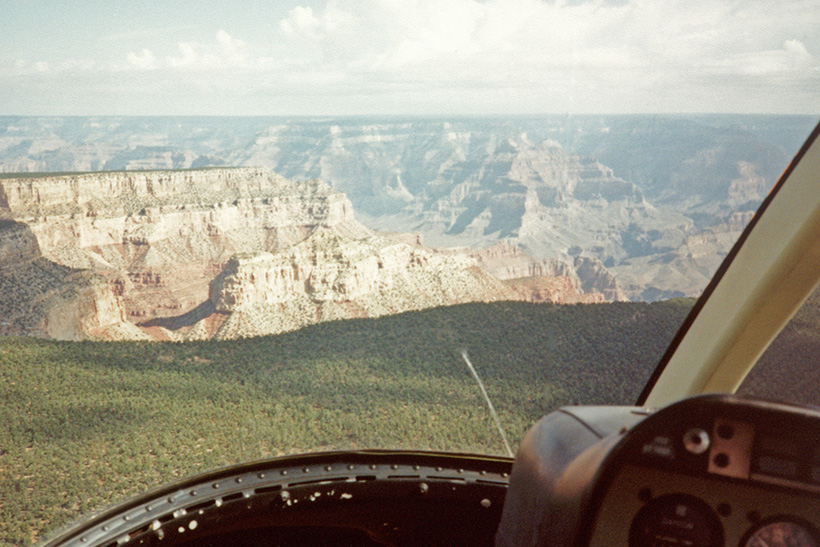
x=711 y=471
x=667 y=509
x=732 y=474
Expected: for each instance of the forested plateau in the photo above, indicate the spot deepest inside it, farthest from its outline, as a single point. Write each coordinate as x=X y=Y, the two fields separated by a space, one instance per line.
x=85 y=424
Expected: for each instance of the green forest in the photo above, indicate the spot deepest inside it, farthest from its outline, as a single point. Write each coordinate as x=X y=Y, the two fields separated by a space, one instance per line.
x=86 y=424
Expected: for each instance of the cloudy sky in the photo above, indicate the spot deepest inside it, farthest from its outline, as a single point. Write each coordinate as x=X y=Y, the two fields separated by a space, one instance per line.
x=418 y=57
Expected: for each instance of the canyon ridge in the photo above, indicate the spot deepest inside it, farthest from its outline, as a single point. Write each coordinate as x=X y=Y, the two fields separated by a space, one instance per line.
x=234 y=252
x=655 y=201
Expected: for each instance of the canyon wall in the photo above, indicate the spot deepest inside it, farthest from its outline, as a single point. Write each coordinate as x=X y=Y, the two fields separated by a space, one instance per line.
x=161 y=236
x=224 y=253
x=39 y=297
x=633 y=192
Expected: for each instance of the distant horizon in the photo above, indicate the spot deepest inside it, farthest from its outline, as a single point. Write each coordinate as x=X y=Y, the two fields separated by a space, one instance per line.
x=430 y=116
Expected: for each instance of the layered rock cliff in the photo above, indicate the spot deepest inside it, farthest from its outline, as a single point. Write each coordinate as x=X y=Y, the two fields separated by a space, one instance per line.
x=655 y=186
x=161 y=236
x=327 y=277
x=582 y=280
x=42 y=298
x=114 y=219
x=225 y=253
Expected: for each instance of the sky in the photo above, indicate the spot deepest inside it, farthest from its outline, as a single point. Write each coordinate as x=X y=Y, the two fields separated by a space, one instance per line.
x=408 y=57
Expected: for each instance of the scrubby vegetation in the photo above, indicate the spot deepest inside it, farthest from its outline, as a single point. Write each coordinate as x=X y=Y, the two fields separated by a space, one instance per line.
x=85 y=424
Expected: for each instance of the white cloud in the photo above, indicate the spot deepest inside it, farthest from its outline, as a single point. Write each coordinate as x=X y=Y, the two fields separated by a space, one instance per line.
x=144 y=60
x=301 y=21
x=791 y=58
x=797 y=48
x=189 y=54
x=473 y=56
x=226 y=53
x=24 y=67
x=557 y=53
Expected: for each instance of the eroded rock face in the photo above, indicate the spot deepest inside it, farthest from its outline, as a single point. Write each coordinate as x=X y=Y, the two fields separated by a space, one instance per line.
x=561 y=289
x=507 y=261
x=328 y=276
x=535 y=194
x=18 y=245
x=226 y=253
x=474 y=182
x=597 y=279
x=42 y=298
x=92 y=311
x=161 y=236
x=584 y=280
x=683 y=270
x=113 y=219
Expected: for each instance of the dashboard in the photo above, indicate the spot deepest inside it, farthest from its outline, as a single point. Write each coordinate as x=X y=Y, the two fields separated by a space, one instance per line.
x=362 y=498
x=707 y=472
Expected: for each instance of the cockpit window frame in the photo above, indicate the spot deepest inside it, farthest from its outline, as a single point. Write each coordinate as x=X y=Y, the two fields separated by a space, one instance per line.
x=738 y=314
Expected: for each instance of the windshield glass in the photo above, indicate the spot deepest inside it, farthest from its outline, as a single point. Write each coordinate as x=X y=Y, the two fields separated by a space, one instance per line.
x=787 y=370
x=246 y=233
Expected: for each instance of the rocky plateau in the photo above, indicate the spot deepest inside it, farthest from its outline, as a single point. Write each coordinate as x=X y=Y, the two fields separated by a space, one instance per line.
x=656 y=201
x=230 y=252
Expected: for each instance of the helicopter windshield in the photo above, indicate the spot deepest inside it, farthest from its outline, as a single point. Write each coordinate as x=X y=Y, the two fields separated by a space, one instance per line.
x=252 y=232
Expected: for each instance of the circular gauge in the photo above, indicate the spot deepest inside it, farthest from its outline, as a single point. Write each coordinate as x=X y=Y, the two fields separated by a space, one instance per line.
x=676 y=519
x=781 y=533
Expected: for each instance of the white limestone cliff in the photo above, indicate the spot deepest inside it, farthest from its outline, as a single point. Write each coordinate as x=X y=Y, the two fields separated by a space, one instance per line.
x=227 y=253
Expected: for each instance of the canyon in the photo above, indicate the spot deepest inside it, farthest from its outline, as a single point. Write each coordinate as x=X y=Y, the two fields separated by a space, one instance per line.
x=227 y=253
x=653 y=202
